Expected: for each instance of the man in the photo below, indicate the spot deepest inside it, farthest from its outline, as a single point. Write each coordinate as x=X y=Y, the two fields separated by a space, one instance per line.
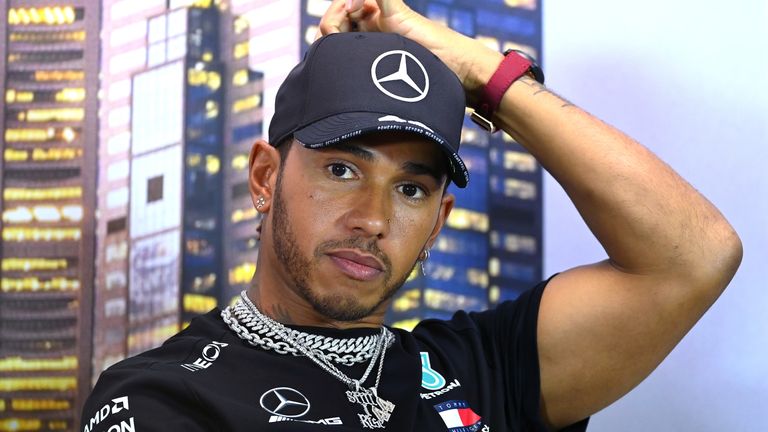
x=353 y=188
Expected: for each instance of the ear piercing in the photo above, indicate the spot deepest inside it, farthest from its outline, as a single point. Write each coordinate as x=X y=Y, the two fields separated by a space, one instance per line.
x=423 y=256
x=260 y=203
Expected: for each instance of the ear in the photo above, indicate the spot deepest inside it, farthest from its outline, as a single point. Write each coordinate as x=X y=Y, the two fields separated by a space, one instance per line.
x=446 y=205
x=263 y=165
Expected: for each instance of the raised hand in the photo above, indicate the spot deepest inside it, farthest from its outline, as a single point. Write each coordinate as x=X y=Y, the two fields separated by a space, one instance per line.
x=472 y=61
x=369 y=15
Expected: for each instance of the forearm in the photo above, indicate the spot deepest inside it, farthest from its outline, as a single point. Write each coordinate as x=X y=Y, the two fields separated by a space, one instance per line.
x=648 y=219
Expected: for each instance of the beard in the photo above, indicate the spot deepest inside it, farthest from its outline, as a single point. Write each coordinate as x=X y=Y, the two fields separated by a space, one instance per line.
x=299 y=268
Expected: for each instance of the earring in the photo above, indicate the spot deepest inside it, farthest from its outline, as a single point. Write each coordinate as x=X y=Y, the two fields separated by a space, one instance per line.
x=260 y=203
x=425 y=254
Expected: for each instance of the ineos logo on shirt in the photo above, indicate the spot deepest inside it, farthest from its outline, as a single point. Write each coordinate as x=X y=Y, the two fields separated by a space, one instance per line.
x=382 y=75
x=209 y=355
x=285 y=402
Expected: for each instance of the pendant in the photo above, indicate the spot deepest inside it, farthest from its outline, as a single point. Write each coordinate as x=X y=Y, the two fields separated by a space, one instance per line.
x=377 y=410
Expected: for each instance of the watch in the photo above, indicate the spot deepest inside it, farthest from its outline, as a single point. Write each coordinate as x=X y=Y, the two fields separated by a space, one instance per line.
x=516 y=63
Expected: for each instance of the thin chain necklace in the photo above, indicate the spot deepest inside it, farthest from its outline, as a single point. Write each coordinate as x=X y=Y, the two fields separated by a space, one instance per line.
x=377 y=410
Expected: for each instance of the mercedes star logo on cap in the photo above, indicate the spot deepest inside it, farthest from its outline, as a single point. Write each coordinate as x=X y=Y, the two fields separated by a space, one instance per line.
x=285 y=402
x=401 y=74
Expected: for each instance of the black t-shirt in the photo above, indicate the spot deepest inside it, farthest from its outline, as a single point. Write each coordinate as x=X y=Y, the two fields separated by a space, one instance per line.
x=475 y=372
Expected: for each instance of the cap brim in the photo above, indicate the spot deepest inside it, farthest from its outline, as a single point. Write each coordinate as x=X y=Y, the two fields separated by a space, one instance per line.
x=344 y=126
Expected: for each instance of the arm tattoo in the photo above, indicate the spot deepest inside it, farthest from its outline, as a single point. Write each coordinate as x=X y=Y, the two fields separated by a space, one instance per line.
x=530 y=82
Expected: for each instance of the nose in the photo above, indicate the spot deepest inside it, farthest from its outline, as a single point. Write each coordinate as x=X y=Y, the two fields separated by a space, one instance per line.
x=370 y=214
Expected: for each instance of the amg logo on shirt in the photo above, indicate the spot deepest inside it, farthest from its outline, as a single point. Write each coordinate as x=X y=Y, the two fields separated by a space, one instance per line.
x=330 y=421
x=209 y=355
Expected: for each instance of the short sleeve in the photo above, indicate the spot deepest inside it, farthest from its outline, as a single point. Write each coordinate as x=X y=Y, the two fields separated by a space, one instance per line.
x=509 y=334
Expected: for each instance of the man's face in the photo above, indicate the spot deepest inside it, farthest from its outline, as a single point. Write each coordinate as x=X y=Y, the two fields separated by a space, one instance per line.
x=349 y=222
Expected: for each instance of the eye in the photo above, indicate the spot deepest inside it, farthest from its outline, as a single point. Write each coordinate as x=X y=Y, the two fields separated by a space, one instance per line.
x=412 y=191
x=341 y=171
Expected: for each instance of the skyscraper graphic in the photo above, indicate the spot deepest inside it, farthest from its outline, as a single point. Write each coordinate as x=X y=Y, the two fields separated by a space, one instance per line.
x=48 y=81
x=182 y=108
x=221 y=100
x=275 y=41
x=124 y=46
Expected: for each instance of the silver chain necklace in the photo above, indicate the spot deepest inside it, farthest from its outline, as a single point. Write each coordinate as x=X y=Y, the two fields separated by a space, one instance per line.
x=377 y=410
x=348 y=351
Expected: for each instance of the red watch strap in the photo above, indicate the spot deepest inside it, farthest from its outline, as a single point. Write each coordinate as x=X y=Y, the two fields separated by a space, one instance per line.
x=510 y=70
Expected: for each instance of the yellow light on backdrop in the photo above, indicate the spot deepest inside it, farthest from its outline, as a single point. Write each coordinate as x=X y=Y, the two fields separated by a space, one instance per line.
x=242 y=274
x=212 y=164
x=37 y=384
x=30 y=264
x=240 y=77
x=240 y=162
x=76 y=94
x=40 y=194
x=20 y=364
x=14 y=155
x=36 y=284
x=68 y=134
x=56 y=15
x=41 y=234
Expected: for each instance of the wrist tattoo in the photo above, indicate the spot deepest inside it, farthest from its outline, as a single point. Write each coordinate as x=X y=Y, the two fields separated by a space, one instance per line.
x=539 y=88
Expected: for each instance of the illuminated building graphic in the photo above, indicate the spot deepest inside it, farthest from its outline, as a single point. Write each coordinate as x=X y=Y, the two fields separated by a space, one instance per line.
x=275 y=41
x=164 y=165
x=48 y=82
x=490 y=249
x=124 y=48
x=273 y=49
x=185 y=111
x=137 y=49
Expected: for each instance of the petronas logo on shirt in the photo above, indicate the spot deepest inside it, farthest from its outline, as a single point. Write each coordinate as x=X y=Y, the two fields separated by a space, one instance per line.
x=430 y=378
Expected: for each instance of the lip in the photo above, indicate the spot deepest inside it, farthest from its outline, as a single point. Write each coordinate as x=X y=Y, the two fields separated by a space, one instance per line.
x=357 y=265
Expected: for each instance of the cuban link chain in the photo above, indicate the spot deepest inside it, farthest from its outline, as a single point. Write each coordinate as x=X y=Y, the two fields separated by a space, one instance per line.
x=255 y=331
x=377 y=410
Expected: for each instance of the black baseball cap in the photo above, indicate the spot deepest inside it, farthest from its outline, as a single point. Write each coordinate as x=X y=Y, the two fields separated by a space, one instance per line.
x=351 y=84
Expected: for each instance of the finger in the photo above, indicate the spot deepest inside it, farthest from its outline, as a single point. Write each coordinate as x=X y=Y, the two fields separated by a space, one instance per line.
x=344 y=26
x=353 y=5
x=334 y=20
x=356 y=15
x=366 y=17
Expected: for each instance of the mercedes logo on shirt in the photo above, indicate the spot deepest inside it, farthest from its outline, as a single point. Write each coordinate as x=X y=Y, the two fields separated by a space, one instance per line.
x=408 y=70
x=285 y=402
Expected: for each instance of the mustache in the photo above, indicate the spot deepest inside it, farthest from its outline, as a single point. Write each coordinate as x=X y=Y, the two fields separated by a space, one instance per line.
x=368 y=246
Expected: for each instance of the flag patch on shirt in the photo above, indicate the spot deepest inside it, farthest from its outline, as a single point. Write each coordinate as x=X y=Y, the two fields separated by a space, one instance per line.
x=458 y=416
